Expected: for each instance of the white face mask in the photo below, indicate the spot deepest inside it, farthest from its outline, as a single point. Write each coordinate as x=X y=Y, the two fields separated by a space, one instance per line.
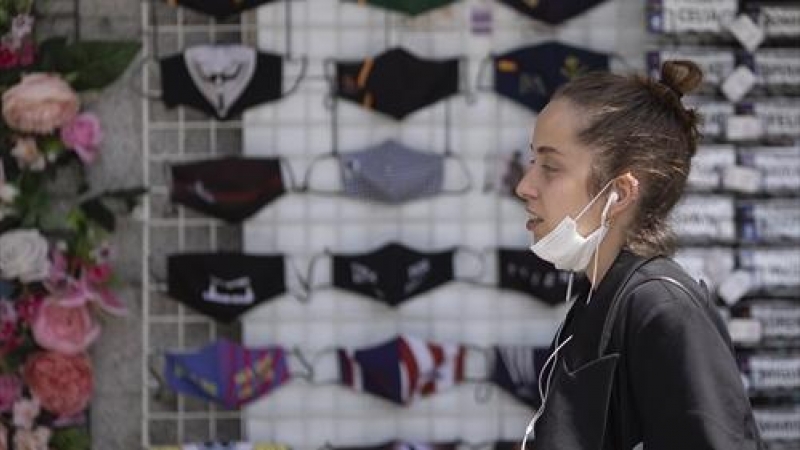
x=565 y=247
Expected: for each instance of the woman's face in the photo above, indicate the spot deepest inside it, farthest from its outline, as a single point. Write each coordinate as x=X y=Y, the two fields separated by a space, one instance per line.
x=556 y=182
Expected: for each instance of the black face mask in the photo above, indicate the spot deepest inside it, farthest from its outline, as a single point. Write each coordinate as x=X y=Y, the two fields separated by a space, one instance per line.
x=516 y=370
x=393 y=273
x=220 y=9
x=553 y=12
x=410 y=7
x=397 y=83
x=521 y=270
x=231 y=188
x=221 y=81
x=224 y=285
x=530 y=75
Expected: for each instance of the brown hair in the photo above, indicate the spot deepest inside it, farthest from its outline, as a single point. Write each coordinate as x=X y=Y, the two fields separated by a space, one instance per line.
x=639 y=125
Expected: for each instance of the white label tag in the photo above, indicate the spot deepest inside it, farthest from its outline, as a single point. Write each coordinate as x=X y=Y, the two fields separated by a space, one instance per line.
x=778 y=66
x=694 y=16
x=778 y=424
x=778 y=219
x=743 y=128
x=778 y=322
x=780 y=118
x=746 y=32
x=704 y=216
x=781 y=21
x=738 y=83
x=774 y=372
x=774 y=267
x=735 y=286
x=715 y=115
x=780 y=166
x=741 y=179
x=745 y=331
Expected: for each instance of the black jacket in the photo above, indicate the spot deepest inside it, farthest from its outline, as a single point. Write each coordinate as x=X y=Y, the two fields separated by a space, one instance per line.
x=667 y=377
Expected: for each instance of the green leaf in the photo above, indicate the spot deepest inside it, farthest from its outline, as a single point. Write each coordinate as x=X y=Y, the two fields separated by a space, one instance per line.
x=92 y=64
x=70 y=439
x=99 y=213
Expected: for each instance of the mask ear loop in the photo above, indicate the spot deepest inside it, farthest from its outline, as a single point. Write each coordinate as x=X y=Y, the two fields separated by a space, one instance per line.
x=476 y=281
x=483 y=388
x=485 y=61
x=464 y=169
x=308 y=374
x=479 y=257
x=463 y=70
x=315 y=360
x=305 y=186
x=307 y=282
x=159 y=282
x=303 y=69
x=142 y=64
x=612 y=198
x=329 y=73
x=162 y=391
x=285 y=166
x=169 y=179
x=300 y=296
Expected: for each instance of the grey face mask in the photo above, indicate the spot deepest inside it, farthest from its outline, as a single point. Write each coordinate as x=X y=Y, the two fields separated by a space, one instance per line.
x=391 y=173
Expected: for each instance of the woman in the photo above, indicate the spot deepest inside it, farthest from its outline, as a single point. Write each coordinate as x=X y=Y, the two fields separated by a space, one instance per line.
x=642 y=359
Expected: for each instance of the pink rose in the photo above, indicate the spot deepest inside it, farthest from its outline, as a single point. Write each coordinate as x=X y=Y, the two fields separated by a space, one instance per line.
x=83 y=135
x=62 y=383
x=64 y=329
x=32 y=439
x=40 y=103
x=10 y=391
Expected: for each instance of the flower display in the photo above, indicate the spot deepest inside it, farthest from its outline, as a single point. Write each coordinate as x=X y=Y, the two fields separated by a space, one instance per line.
x=56 y=274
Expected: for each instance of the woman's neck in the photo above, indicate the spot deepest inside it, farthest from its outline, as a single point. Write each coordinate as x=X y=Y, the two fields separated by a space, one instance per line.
x=606 y=254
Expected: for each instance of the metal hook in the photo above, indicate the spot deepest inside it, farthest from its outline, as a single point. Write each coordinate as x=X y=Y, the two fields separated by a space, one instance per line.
x=309 y=374
x=307 y=175
x=481 y=69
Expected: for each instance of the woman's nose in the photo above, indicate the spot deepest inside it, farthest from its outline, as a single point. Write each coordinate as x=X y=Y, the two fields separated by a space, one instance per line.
x=525 y=188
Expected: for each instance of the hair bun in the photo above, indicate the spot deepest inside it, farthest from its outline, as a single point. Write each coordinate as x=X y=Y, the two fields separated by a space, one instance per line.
x=681 y=76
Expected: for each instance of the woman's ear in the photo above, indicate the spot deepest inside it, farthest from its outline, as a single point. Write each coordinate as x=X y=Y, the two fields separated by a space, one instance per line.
x=627 y=189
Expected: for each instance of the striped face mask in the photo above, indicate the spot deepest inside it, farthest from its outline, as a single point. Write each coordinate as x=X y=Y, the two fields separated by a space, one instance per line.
x=402 y=369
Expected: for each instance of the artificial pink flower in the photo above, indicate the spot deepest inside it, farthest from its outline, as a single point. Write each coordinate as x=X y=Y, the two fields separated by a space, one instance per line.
x=25 y=412
x=98 y=273
x=8 y=57
x=39 y=103
x=83 y=135
x=28 y=307
x=62 y=383
x=64 y=329
x=10 y=391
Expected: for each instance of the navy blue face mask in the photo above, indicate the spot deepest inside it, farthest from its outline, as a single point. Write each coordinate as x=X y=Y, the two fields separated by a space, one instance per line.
x=522 y=271
x=530 y=75
x=553 y=12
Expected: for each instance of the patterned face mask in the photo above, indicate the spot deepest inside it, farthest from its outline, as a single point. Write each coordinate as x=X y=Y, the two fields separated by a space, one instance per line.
x=391 y=173
x=391 y=274
x=224 y=285
x=530 y=75
x=230 y=188
x=402 y=369
x=221 y=80
x=396 y=82
x=226 y=373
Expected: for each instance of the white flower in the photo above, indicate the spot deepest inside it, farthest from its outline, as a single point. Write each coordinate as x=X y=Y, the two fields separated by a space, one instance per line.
x=28 y=154
x=8 y=193
x=22 y=25
x=23 y=255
